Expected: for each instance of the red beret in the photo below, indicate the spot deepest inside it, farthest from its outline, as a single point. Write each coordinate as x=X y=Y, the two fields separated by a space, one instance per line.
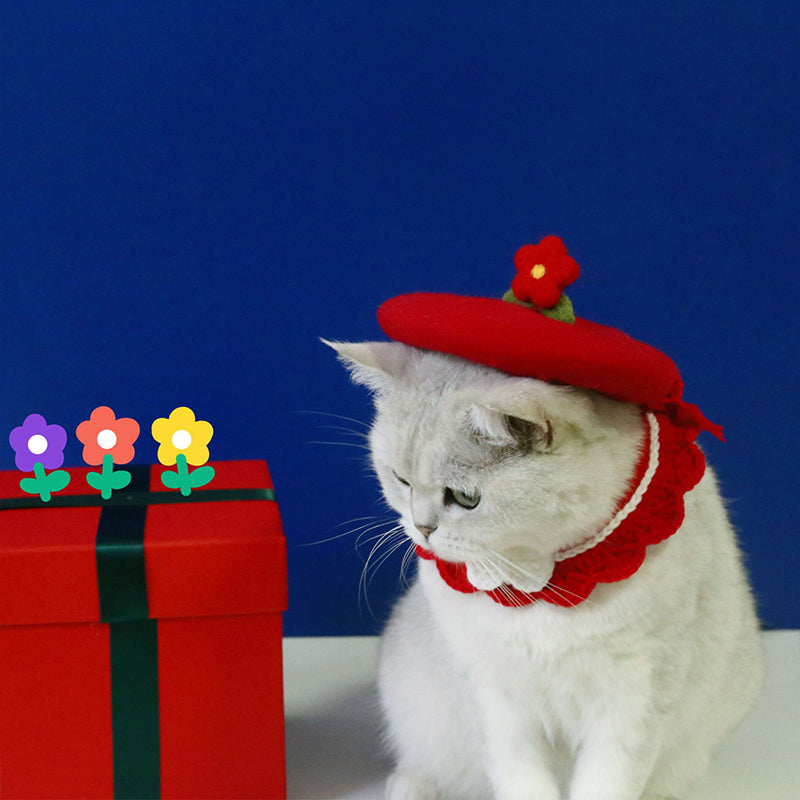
x=522 y=340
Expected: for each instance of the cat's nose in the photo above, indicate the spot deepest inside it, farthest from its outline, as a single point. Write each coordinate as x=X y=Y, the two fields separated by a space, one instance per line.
x=425 y=530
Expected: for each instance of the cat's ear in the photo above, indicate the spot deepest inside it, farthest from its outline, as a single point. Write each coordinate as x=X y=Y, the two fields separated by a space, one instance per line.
x=372 y=364
x=528 y=413
x=503 y=429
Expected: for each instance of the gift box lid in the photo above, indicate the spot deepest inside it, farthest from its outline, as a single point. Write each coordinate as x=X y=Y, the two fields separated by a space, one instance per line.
x=219 y=551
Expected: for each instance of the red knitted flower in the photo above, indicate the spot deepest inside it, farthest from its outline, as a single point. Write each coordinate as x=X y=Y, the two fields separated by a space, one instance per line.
x=544 y=270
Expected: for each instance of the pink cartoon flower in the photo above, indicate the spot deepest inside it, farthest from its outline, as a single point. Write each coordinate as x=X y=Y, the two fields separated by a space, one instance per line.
x=104 y=434
x=108 y=441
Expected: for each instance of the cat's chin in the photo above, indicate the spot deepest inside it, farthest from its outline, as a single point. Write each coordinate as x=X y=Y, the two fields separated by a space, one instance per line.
x=527 y=577
x=516 y=569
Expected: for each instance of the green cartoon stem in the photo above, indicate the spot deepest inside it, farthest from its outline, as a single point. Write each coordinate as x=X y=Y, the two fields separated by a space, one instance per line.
x=108 y=480
x=183 y=479
x=41 y=481
x=183 y=475
x=43 y=484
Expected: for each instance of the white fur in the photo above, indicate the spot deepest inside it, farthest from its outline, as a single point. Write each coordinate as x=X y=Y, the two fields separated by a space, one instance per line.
x=622 y=697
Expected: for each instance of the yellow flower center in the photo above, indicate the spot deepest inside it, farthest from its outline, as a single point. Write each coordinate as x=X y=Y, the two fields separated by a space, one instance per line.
x=538 y=272
x=181 y=439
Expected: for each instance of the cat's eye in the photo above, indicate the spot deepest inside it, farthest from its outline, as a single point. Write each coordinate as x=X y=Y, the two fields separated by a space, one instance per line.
x=468 y=501
x=400 y=480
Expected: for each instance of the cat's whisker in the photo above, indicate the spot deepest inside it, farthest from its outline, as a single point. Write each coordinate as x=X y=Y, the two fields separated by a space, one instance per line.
x=384 y=557
x=364 y=447
x=362 y=434
x=362 y=581
x=506 y=592
x=343 y=429
x=393 y=539
x=491 y=567
x=565 y=594
x=348 y=532
x=570 y=598
x=363 y=539
x=487 y=563
x=514 y=599
x=367 y=517
x=380 y=541
x=370 y=539
x=405 y=564
x=359 y=422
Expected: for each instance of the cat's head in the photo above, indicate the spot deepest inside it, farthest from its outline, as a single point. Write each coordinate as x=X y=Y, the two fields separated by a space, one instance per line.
x=491 y=470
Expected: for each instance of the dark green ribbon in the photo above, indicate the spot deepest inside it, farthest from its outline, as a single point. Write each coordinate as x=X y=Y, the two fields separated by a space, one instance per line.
x=122 y=586
x=136 y=742
x=137 y=498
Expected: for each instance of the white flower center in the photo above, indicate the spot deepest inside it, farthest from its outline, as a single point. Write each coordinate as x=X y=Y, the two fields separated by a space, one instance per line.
x=181 y=439
x=106 y=439
x=37 y=444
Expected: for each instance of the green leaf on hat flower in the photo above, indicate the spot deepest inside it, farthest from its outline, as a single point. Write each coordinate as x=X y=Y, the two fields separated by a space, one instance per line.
x=561 y=311
x=510 y=297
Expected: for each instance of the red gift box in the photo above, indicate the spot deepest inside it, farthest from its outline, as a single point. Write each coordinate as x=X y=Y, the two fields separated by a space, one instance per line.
x=160 y=677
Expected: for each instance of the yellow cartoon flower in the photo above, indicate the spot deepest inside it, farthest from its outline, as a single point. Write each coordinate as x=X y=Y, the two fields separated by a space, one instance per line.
x=182 y=434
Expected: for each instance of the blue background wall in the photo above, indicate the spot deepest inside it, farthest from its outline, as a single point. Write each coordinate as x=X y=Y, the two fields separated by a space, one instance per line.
x=192 y=193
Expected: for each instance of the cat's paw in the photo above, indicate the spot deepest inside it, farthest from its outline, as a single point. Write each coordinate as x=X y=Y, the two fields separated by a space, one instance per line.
x=402 y=786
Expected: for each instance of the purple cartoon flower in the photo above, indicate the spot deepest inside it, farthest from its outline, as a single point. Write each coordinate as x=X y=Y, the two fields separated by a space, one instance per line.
x=37 y=442
x=38 y=447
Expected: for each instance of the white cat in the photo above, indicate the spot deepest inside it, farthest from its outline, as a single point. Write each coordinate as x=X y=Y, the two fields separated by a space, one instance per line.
x=622 y=696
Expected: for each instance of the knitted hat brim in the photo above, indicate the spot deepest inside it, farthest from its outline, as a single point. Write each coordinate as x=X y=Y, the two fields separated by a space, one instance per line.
x=522 y=342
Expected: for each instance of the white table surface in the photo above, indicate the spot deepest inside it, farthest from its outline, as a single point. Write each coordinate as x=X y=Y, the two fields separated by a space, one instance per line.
x=333 y=735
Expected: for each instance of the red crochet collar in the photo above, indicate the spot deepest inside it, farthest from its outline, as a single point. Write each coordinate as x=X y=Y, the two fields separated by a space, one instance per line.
x=653 y=509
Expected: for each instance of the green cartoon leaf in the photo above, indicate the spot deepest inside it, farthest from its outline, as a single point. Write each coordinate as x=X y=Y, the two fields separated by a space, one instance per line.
x=171 y=479
x=29 y=485
x=58 y=480
x=119 y=479
x=201 y=476
x=95 y=480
